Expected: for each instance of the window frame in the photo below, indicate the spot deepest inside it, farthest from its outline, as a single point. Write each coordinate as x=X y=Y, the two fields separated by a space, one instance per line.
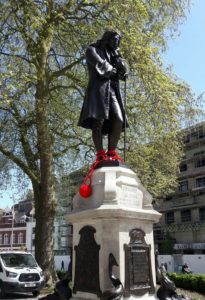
x=187 y=218
x=200 y=182
x=169 y=217
x=183 y=184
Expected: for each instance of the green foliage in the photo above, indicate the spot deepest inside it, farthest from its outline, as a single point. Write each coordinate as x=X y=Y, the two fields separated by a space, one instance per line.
x=168 y=244
x=42 y=51
x=61 y=274
x=189 y=281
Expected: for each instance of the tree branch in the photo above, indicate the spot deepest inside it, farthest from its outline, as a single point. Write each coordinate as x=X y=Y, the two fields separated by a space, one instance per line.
x=74 y=87
x=15 y=55
x=19 y=163
x=65 y=69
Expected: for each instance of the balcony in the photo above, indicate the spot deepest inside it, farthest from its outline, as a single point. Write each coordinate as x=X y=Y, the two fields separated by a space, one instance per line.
x=182 y=227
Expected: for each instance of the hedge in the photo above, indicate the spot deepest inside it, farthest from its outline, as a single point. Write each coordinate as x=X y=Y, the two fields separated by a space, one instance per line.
x=189 y=281
x=61 y=274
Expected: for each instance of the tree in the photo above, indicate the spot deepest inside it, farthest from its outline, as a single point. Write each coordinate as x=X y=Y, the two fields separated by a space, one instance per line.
x=42 y=45
x=36 y=67
x=168 y=244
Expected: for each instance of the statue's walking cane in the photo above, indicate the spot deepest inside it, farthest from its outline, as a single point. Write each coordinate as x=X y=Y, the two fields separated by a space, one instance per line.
x=125 y=108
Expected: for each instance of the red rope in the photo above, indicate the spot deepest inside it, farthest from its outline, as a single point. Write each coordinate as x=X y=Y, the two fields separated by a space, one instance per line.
x=85 y=189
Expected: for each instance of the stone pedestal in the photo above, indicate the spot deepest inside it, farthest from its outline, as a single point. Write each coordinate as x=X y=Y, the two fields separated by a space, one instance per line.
x=102 y=224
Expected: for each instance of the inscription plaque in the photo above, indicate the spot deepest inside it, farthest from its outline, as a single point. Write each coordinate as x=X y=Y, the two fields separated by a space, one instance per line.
x=87 y=263
x=138 y=271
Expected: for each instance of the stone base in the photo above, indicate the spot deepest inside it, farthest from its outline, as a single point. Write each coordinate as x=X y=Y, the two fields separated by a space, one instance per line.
x=114 y=185
x=118 y=205
x=88 y=296
x=113 y=225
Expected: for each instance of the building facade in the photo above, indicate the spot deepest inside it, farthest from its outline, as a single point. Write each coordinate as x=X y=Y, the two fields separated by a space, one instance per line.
x=12 y=232
x=17 y=224
x=183 y=212
x=65 y=192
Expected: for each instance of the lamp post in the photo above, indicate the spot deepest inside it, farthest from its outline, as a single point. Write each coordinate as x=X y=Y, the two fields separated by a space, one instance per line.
x=12 y=227
x=29 y=230
x=32 y=232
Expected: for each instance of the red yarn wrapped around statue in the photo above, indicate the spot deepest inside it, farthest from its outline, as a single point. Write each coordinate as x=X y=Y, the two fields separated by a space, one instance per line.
x=85 y=190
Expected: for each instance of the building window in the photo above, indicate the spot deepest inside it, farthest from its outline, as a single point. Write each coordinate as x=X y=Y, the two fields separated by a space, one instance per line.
x=158 y=235
x=20 y=238
x=168 y=198
x=183 y=168
x=183 y=186
x=201 y=133
x=1 y=239
x=200 y=162
x=169 y=217
x=198 y=153
x=6 y=239
x=202 y=213
x=200 y=182
x=7 y=213
x=186 y=215
x=187 y=138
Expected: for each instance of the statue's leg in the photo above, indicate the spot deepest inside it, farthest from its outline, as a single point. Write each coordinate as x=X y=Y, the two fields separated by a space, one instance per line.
x=114 y=136
x=98 y=138
x=117 y=123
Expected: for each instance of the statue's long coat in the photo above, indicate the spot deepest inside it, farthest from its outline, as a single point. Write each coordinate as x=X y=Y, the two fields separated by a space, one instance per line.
x=97 y=97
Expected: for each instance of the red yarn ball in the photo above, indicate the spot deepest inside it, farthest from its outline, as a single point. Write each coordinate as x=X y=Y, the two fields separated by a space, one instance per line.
x=85 y=190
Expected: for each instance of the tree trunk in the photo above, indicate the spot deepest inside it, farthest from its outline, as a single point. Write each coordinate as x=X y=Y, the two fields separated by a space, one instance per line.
x=44 y=193
x=44 y=198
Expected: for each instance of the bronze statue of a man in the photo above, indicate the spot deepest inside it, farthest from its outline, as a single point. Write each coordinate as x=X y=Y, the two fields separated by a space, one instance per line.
x=103 y=110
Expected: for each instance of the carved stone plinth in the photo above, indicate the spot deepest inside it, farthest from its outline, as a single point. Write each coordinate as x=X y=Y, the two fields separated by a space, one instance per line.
x=119 y=204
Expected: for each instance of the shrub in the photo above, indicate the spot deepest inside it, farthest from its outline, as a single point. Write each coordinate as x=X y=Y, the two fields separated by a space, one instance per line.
x=194 y=283
x=60 y=274
x=201 y=283
x=188 y=281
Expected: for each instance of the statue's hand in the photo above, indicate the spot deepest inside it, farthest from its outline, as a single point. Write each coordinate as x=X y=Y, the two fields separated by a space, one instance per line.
x=125 y=76
x=113 y=73
x=122 y=75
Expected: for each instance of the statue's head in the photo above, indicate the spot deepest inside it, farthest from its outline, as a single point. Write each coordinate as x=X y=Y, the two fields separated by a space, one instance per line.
x=111 y=39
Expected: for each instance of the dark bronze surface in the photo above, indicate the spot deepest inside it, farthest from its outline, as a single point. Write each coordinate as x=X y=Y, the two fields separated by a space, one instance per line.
x=138 y=270
x=111 y=163
x=87 y=263
x=103 y=109
x=116 y=292
x=167 y=290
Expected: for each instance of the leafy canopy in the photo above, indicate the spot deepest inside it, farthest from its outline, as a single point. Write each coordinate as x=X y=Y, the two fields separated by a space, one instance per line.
x=42 y=46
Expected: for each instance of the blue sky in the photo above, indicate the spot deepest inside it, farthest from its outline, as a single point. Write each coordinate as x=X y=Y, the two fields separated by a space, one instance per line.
x=187 y=52
x=187 y=56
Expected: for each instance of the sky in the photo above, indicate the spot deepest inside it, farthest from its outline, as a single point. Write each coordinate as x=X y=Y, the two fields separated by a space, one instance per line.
x=186 y=54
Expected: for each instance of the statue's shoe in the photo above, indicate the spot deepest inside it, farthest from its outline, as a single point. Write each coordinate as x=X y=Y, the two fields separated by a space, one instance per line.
x=113 y=155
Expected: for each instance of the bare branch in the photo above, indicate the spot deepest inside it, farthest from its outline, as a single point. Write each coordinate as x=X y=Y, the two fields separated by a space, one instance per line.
x=19 y=163
x=16 y=55
x=65 y=69
x=73 y=87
